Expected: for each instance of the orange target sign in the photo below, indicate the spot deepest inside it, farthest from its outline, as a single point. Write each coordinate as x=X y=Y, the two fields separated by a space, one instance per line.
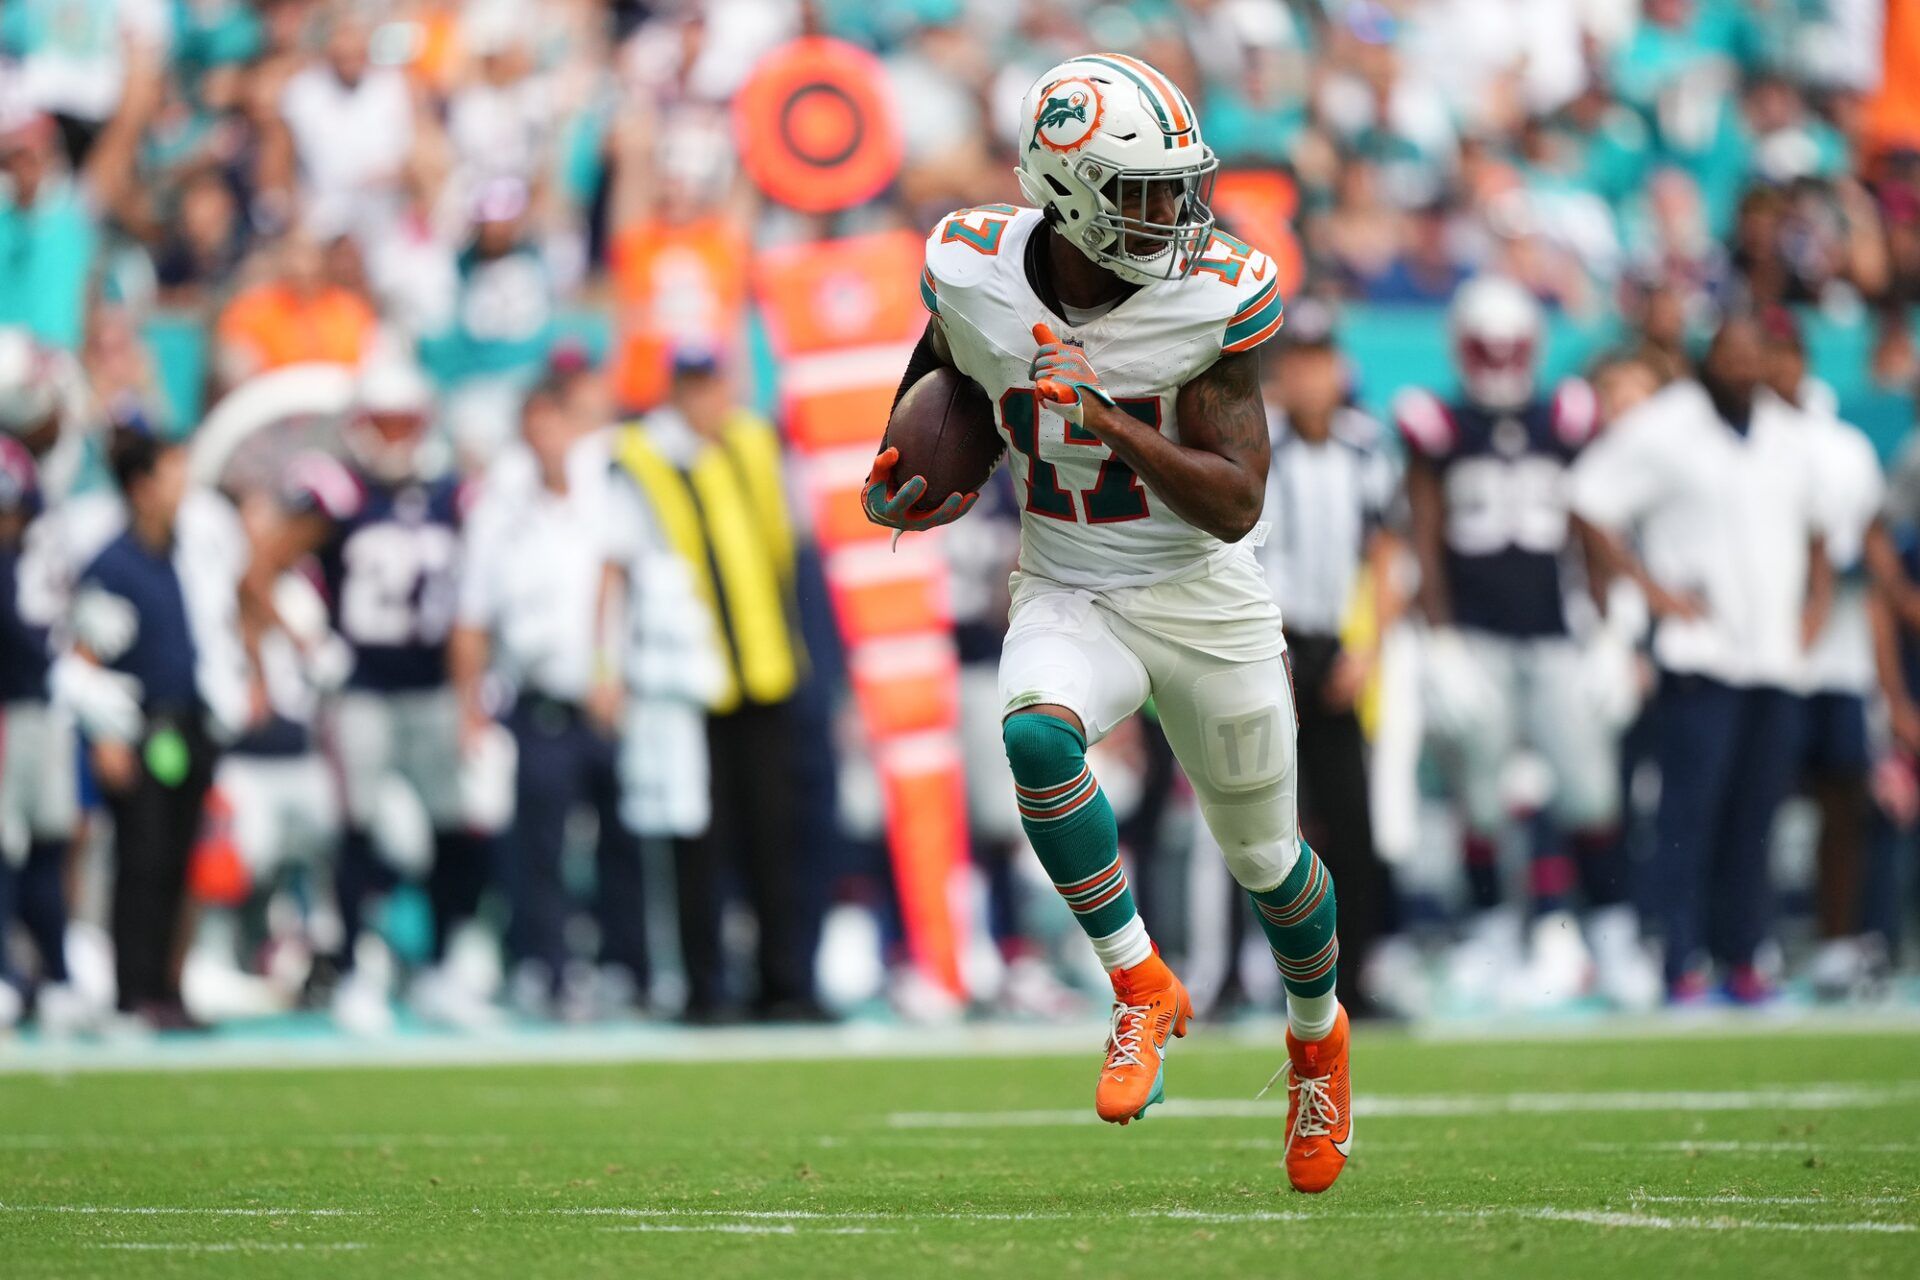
x=815 y=126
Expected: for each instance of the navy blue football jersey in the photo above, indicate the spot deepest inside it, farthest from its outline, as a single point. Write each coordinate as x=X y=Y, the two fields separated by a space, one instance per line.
x=1504 y=477
x=23 y=645
x=387 y=571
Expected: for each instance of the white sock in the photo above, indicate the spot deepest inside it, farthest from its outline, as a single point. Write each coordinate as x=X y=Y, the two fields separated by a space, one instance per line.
x=1311 y=1017
x=1127 y=946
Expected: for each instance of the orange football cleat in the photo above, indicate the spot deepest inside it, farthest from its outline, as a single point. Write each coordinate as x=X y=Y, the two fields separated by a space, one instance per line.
x=1319 y=1108
x=1149 y=1004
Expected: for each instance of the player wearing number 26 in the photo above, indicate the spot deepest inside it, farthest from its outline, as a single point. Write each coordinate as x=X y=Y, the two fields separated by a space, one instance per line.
x=1115 y=329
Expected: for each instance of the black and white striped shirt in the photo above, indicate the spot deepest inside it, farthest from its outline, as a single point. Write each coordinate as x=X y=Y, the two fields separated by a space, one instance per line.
x=1324 y=502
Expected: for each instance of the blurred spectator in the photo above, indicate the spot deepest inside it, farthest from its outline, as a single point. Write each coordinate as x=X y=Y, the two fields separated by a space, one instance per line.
x=1376 y=111
x=347 y=129
x=1427 y=270
x=1717 y=480
x=37 y=792
x=500 y=123
x=1840 y=669
x=120 y=371
x=709 y=472
x=679 y=254
x=48 y=234
x=83 y=61
x=532 y=617
x=1362 y=235
x=298 y=314
x=204 y=243
x=156 y=614
x=503 y=321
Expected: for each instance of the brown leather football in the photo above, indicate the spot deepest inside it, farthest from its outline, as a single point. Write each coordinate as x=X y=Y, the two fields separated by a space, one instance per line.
x=944 y=430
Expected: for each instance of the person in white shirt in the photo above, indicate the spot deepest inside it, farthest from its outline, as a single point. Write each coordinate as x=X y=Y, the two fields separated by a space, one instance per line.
x=1717 y=482
x=350 y=126
x=528 y=601
x=1836 y=763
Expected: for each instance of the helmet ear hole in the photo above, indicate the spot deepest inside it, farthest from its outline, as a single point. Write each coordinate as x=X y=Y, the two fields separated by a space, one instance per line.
x=1059 y=187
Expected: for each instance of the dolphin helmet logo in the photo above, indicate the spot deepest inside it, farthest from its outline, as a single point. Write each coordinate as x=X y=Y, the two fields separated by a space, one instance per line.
x=1069 y=113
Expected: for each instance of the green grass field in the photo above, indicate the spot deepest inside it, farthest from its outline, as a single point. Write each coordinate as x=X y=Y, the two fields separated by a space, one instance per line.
x=1770 y=1153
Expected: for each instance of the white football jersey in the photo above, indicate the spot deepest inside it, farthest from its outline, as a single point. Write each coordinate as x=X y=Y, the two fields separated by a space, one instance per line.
x=1086 y=519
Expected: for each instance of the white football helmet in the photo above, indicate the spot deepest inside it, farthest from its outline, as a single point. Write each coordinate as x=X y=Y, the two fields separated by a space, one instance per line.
x=1110 y=149
x=392 y=411
x=1496 y=339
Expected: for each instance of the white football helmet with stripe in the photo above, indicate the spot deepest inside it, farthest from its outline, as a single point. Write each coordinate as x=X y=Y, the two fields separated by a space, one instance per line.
x=1110 y=149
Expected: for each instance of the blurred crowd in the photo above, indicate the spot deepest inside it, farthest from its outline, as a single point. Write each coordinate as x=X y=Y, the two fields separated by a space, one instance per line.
x=432 y=630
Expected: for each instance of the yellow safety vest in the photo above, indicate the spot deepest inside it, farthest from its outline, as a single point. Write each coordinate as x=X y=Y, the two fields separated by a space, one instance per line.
x=727 y=514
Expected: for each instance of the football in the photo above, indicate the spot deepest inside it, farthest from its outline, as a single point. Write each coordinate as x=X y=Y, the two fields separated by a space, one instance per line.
x=944 y=430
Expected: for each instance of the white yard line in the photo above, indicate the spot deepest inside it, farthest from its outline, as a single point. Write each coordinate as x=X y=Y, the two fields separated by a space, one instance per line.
x=225 y=1246
x=1650 y=1222
x=239 y=1047
x=1806 y=1097
x=752 y=1229
x=1728 y=1147
x=183 y=1211
x=1839 y=1201
x=864 y=1222
x=935 y=1215
x=225 y=1141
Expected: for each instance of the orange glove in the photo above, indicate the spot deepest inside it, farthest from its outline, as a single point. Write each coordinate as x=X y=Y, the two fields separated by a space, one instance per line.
x=1061 y=373
x=894 y=507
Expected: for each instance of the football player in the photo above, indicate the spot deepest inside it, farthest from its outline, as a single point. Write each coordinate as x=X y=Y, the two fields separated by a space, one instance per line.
x=383 y=527
x=1486 y=489
x=47 y=535
x=1115 y=329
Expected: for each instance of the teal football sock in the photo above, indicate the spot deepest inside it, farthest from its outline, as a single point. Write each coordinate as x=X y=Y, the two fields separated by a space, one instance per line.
x=1072 y=829
x=1298 y=916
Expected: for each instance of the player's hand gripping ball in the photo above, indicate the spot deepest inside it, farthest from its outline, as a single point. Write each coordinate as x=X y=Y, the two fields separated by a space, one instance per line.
x=894 y=507
x=1064 y=377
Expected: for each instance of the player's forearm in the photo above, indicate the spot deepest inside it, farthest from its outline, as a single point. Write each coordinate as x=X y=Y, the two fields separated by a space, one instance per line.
x=609 y=623
x=1208 y=490
x=1610 y=551
x=1818 y=606
x=469 y=650
x=1383 y=572
x=1427 y=520
x=1886 y=652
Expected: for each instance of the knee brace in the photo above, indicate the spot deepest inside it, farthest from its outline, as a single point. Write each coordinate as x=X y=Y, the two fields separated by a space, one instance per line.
x=1042 y=750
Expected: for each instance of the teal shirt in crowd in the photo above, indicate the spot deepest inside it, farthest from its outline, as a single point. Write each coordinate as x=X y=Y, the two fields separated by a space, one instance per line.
x=46 y=253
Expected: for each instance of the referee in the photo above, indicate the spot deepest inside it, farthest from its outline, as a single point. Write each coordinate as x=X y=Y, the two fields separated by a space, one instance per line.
x=1330 y=493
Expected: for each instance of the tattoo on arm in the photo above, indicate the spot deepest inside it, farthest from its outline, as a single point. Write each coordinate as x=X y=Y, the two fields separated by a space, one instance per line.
x=1215 y=475
x=1221 y=410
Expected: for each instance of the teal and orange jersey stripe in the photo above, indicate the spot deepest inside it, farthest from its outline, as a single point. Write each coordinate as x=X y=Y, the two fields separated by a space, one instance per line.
x=1255 y=322
x=929 y=293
